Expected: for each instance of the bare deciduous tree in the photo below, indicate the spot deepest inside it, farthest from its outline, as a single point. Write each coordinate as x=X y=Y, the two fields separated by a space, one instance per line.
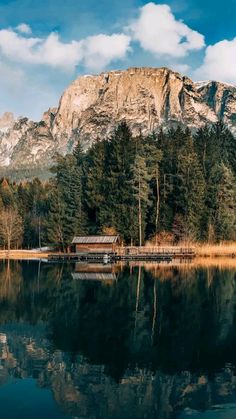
x=11 y=228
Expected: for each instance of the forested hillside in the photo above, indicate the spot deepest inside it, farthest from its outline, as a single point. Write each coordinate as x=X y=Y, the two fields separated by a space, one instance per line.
x=173 y=185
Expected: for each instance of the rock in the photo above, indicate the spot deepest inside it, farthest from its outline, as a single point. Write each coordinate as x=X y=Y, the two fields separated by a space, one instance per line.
x=90 y=108
x=6 y=121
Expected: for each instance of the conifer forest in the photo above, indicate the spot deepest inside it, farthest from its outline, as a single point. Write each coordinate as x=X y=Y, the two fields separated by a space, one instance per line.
x=174 y=184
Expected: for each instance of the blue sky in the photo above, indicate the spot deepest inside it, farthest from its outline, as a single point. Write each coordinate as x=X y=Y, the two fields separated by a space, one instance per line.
x=44 y=45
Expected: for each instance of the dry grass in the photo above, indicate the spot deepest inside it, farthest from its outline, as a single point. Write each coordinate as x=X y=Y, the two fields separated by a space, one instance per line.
x=216 y=250
x=22 y=254
x=204 y=249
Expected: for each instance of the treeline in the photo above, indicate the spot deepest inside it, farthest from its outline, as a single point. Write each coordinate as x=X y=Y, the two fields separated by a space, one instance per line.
x=172 y=186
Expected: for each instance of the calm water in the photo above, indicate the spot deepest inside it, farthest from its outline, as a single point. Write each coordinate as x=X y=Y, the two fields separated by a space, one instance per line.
x=104 y=342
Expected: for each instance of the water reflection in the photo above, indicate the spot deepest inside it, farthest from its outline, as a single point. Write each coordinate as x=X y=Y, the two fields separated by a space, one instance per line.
x=121 y=341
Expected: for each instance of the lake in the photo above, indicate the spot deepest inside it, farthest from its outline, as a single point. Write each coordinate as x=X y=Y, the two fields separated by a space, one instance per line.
x=117 y=341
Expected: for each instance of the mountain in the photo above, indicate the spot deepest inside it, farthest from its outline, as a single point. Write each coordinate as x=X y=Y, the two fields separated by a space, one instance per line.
x=89 y=109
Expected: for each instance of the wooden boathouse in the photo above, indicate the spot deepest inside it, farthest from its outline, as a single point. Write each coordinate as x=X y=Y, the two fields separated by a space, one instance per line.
x=104 y=248
x=106 y=244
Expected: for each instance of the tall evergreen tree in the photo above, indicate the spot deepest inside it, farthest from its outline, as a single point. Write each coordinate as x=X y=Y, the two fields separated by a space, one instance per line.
x=120 y=154
x=190 y=187
x=141 y=190
x=94 y=189
x=7 y=194
x=153 y=156
x=222 y=203
x=66 y=217
x=55 y=224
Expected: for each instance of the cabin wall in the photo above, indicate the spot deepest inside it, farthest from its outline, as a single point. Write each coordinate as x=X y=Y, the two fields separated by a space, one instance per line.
x=95 y=248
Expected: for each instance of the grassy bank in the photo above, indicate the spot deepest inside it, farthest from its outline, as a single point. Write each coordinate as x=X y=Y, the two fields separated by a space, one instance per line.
x=23 y=254
x=202 y=251
x=216 y=250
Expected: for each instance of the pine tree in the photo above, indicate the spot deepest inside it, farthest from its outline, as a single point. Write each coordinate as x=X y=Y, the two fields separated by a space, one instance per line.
x=205 y=149
x=94 y=189
x=226 y=146
x=153 y=156
x=66 y=216
x=141 y=190
x=117 y=208
x=55 y=224
x=222 y=203
x=7 y=195
x=190 y=187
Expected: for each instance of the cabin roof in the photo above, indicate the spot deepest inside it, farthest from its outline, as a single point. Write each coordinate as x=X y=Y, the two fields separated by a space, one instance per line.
x=95 y=239
x=94 y=276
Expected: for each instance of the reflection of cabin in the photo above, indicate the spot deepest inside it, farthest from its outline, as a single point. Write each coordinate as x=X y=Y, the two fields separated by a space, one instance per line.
x=95 y=244
x=95 y=272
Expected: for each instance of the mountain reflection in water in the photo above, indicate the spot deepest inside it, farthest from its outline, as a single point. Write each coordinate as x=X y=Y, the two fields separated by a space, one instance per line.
x=115 y=341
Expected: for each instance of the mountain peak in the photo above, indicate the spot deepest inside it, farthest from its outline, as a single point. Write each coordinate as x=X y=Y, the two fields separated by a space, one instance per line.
x=146 y=98
x=6 y=120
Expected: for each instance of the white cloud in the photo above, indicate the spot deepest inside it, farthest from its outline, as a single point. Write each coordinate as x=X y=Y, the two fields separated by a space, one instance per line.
x=16 y=47
x=50 y=51
x=219 y=62
x=158 y=32
x=55 y=53
x=37 y=90
x=100 y=50
x=182 y=68
x=24 y=28
x=156 y=29
x=94 y=52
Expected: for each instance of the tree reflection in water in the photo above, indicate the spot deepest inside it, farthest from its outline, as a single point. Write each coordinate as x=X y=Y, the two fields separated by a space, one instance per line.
x=120 y=342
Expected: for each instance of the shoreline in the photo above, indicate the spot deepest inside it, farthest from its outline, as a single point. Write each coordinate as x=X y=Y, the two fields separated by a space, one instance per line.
x=216 y=250
x=201 y=251
x=23 y=254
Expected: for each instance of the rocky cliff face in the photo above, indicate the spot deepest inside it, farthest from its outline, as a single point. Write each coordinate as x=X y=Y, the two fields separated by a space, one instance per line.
x=146 y=98
x=25 y=143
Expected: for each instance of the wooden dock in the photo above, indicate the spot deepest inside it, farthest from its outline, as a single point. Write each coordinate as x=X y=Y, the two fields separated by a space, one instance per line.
x=157 y=251
x=127 y=254
x=82 y=257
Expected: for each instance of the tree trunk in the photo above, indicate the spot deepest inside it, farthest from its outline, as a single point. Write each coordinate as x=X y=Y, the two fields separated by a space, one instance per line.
x=8 y=244
x=39 y=225
x=158 y=202
x=139 y=214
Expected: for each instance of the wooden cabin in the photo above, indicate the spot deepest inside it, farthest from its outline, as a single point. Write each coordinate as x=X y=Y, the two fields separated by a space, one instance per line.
x=95 y=244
